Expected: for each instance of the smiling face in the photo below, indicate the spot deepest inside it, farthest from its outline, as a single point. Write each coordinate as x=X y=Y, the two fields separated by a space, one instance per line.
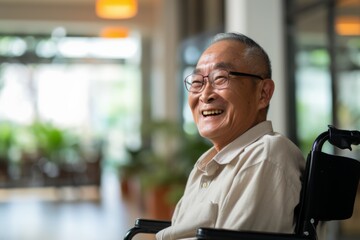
x=221 y=115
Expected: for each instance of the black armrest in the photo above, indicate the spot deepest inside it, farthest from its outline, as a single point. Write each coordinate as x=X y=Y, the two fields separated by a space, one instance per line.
x=223 y=234
x=146 y=226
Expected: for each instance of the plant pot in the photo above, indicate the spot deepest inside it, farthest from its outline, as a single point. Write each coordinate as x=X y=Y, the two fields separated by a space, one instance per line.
x=157 y=203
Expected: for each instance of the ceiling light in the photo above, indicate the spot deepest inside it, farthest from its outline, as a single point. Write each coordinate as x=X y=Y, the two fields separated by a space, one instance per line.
x=116 y=9
x=114 y=32
x=349 y=26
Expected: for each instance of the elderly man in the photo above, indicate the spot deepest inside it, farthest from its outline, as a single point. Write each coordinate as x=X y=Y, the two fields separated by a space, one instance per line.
x=250 y=178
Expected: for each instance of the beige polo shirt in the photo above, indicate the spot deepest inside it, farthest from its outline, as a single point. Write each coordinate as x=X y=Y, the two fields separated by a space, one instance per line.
x=251 y=184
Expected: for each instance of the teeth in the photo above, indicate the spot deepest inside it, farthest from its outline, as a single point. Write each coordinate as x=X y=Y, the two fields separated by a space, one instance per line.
x=212 y=112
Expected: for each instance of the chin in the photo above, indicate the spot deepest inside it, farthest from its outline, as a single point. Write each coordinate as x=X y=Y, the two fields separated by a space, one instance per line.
x=207 y=134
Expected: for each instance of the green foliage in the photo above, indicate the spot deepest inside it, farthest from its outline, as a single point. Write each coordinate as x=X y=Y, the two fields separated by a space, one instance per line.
x=134 y=164
x=55 y=144
x=7 y=139
x=40 y=140
x=165 y=170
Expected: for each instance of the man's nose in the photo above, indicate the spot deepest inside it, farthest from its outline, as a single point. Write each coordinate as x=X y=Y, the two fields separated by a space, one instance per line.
x=207 y=94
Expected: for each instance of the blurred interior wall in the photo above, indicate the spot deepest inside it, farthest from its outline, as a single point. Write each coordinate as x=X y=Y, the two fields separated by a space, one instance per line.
x=178 y=20
x=263 y=21
x=165 y=39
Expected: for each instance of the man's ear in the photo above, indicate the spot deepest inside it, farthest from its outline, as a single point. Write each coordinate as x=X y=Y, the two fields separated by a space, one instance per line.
x=267 y=90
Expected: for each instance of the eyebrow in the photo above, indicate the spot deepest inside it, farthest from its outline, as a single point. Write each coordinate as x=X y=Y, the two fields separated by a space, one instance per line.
x=223 y=65
x=220 y=65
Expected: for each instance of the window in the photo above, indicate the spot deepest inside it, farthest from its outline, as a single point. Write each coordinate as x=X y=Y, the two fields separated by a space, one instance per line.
x=88 y=85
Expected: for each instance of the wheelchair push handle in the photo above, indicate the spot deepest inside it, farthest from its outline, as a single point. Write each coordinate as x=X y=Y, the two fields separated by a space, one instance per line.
x=342 y=139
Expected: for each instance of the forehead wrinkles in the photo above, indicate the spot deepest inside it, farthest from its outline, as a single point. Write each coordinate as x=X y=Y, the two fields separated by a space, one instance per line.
x=213 y=66
x=218 y=60
x=222 y=55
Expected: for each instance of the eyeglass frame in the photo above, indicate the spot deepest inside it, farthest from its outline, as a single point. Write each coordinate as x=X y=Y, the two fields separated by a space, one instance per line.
x=234 y=73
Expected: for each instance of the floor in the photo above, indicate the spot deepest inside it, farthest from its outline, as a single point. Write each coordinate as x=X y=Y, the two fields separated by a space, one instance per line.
x=86 y=213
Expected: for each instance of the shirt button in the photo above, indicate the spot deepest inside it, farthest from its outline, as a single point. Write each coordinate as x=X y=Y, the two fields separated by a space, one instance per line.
x=205 y=185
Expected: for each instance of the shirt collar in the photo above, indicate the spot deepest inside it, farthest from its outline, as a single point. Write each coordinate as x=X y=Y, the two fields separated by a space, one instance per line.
x=230 y=151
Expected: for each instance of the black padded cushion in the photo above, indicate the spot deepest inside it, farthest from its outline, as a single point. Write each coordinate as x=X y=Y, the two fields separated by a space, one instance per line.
x=336 y=180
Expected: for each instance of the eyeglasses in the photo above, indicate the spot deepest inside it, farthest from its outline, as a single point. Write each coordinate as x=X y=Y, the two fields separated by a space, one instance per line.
x=219 y=79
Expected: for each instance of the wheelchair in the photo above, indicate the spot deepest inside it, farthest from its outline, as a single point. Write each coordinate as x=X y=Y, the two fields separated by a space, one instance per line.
x=328 y=193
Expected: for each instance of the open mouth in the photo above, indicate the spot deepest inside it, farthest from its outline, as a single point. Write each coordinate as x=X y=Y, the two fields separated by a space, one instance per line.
x=207 y=113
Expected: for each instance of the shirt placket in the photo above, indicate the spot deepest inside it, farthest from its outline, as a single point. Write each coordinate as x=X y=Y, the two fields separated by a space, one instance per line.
x=205 y=182
x=207 y=178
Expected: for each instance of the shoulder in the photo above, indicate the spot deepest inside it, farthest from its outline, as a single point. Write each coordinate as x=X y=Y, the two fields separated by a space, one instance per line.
x=279 y=146
x=277 y=150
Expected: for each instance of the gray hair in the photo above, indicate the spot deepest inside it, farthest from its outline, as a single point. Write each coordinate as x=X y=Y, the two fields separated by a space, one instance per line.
x=254 y=50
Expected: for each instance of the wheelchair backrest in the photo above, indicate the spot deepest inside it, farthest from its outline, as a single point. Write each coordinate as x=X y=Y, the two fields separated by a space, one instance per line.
x=330 y=183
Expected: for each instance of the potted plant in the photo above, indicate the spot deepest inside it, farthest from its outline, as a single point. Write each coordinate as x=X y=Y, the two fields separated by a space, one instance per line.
x=56 y=152
x=163 y=170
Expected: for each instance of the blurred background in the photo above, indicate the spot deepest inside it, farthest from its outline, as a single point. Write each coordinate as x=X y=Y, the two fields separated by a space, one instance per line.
x=94 y=126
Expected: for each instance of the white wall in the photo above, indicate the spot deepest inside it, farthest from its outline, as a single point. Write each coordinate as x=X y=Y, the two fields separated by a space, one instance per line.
x=165 y=89
x=262 y=21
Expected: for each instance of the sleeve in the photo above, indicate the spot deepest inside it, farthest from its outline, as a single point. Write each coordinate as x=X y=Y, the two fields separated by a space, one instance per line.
x=200 y=215
x=262 y=198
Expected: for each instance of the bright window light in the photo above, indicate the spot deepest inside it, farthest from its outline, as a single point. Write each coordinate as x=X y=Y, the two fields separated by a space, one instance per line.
x=71 y=47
